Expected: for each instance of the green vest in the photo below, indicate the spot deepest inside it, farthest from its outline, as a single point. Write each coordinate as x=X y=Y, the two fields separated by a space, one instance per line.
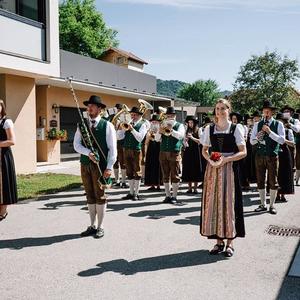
x=100 y=134
x=130 y=141
x=271 y=148
x=169 y=143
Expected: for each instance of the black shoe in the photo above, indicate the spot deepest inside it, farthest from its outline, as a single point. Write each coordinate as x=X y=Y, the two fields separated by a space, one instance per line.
x=124 y=185
x=229 y=251
x=127 y=197
x=89 y=231
x=283 y=199
x=2 y=217
x=168 y=200
x=117 y=184
x=151 y=188
x=218 y=248
x=278 y=198
x=99 y=233
x=189 y=192
x=195 y=192
x=136 y=198
x=272 y=210
x=260 y=208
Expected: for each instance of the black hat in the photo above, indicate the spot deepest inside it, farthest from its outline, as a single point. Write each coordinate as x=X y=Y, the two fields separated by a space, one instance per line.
x=136 y=110
x=268 y=104
x=170 y=111
x=155 y=117
x=119 y=106
x=247 y=117
x=238 y=116
x=256 y=114
x=279 y=116
x=296 y=116
x=287 y=107
x=94 y=100
x=191 y=118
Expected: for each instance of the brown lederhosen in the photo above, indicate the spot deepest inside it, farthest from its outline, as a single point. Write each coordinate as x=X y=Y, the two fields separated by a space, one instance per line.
x=262 y=164
x=170 y=165
x=120 y=159
x=133 y=160
x=90 y=175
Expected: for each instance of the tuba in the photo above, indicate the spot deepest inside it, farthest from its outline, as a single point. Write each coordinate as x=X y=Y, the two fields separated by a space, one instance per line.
x=121 y=118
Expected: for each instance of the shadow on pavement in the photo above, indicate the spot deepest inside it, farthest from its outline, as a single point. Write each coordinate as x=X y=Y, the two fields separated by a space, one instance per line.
x=59 y=204
x=162 y=213
x=194 y=220
x=290 y=289
x=151 y=264
x=17 y=244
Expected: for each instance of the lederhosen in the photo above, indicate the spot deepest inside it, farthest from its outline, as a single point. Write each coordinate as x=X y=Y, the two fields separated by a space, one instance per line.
x=133 y=154
x=89 y=171
x=120 y=158
x=222 y=202
x=8 y=181
x=170 y=157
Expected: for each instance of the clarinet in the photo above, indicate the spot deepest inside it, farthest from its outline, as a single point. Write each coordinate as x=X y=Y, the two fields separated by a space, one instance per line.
x=89 y=140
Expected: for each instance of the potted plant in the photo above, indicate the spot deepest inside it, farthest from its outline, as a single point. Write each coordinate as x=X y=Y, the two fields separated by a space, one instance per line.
x=55 y=135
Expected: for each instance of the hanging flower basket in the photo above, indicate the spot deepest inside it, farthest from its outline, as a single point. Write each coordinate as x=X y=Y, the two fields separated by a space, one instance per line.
x=57 y=135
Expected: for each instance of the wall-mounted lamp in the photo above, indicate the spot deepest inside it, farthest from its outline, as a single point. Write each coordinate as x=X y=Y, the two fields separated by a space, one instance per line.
x=55 y=108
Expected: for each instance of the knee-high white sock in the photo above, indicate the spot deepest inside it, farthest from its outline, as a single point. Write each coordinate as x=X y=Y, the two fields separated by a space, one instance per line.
x=116 y=173
x=273 y=194
x=92 y=213
x=175 y=187
x=131 y=186
x=101 y=209
x=137 y=184
x=167 y=189
x=123 y=173
x=262 y=196
x=297 y=176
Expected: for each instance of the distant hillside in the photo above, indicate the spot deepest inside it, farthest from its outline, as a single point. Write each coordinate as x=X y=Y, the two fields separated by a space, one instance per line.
x=171 y=87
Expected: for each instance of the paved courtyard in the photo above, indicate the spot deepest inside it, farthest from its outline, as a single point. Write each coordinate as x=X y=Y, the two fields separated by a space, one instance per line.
x=150 y=251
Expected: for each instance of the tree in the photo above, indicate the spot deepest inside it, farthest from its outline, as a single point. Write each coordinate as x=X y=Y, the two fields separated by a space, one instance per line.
x=169 y=87
x=206 y=92
x=82 y=29
x=268 y=76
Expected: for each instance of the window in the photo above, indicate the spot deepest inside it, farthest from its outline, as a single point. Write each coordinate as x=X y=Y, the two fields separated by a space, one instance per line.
x=31 y=9
x=121 y=60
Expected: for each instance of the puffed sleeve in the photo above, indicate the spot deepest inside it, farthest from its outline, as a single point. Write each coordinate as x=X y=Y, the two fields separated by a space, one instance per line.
x=8 y=124
x=206 y=137
x=239 y=135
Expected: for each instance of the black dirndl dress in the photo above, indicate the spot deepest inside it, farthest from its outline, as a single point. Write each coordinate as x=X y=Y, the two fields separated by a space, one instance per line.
x=222 y=214
x=8 y=181
x=191 y=162
x=285 y=171
x=153 y=174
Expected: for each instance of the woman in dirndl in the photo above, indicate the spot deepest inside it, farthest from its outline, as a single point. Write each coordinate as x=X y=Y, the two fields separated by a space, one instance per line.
x=8 y=185
x=191 y=158
x=285 y=170
x=222 y=204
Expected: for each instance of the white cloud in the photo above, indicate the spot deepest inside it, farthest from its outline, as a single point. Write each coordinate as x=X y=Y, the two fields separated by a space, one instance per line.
x=221 y=4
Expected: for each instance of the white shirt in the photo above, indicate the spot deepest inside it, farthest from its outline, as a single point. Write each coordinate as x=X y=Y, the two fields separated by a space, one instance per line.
x=7 y=124
x=279 y=137
x=177 y=134
x=290 y=136
x=111 y=142
x=139 y=135
x=296 y=126
x=238 y=134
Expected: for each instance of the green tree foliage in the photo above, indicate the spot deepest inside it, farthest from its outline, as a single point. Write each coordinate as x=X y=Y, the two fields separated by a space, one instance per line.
x=268 y=76
x=82 y=29
x=206 y=92
x=169 y=87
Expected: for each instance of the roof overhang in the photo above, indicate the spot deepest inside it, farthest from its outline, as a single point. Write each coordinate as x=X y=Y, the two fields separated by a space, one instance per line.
x=95 y=88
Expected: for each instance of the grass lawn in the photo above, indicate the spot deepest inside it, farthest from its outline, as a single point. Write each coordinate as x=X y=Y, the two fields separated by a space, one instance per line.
x=35 y=185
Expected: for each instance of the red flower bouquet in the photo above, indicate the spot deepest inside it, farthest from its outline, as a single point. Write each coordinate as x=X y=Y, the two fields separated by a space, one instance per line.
x=215 y=156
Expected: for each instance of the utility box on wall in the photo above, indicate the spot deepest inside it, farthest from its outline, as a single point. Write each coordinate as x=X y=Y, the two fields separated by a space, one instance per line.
x=40 y=134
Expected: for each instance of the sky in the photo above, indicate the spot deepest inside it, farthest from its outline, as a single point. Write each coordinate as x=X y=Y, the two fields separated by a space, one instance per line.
x=190 y=40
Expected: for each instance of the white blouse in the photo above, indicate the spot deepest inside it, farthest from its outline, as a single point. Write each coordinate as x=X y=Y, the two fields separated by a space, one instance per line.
x=7 y=124
x=238 y=134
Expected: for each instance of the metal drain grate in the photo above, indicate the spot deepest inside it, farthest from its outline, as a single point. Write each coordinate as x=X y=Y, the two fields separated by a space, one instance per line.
x=283 y=231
